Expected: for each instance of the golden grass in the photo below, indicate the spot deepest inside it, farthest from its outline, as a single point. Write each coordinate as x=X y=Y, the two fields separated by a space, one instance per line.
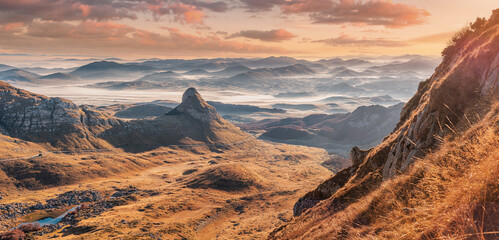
x=178 y=211
x=452 y=193
x=441 y=197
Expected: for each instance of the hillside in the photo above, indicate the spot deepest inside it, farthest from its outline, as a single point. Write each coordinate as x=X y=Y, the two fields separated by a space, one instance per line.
x=55 y=121
x=143 y=111
x=18 y=75
x=426 y=179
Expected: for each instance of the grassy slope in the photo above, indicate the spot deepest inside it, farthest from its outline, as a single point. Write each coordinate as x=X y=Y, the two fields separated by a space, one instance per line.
x=452 y=193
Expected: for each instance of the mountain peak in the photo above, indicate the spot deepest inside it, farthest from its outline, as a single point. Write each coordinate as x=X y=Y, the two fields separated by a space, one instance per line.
x=192 y=95
x=195 y=106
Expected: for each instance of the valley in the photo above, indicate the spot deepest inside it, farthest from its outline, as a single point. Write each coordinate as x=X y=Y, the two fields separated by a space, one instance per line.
x=189 y=174
x=199 y=133
x=180 y=193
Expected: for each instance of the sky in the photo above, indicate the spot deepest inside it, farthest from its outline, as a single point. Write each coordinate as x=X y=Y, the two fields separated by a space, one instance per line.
x=132 y=29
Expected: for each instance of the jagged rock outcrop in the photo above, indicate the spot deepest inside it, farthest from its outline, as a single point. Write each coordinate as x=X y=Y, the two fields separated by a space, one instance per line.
x=39 y=118
x=453 y=97
x=194 y=121
x=357 y=155
x=195 y=106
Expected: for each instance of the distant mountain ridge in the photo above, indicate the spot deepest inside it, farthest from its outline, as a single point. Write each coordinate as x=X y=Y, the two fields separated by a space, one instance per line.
x=366 y=126
x=107 y=69
x=416 y=64
x=18 y=75
x=266 y=73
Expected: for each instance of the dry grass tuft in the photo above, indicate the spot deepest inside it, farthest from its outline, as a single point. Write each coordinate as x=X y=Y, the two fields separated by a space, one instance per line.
x=450 y=194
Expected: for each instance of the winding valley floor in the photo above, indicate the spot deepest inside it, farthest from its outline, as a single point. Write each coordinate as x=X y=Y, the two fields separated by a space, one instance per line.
x=185 y=197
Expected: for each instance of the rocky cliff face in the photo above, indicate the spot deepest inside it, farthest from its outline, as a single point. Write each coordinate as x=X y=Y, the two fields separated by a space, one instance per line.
x=42 y=119
x=455 y=95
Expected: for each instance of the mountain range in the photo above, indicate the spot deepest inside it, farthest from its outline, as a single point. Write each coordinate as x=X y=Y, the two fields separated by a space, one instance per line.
x=366 y=126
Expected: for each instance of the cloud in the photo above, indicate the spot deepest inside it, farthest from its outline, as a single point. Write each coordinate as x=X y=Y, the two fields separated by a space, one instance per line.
x=261 y=5
x=371 y=12
x=434 y=38
x=62 y=10
x=213 y=6
x=183 y=13
x=15 y=54
x=112 y=38
x=188 y=11
x=13 y=27
x=345 y=40
x=103 y=31
x=276 y=35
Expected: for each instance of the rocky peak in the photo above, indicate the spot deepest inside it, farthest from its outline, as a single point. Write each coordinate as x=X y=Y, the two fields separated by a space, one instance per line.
x=195 y=106
x=62 y=124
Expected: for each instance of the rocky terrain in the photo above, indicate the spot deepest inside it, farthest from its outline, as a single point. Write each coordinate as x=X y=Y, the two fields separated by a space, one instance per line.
x=457 y=104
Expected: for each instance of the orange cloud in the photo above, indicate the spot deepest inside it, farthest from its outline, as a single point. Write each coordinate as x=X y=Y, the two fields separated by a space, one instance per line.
x=85 y=30
x=371 y=12
x=182 y=12
x=276 y=35
x=85 y=9
x=15 y=26
x=190 y=13
x=108 y=37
